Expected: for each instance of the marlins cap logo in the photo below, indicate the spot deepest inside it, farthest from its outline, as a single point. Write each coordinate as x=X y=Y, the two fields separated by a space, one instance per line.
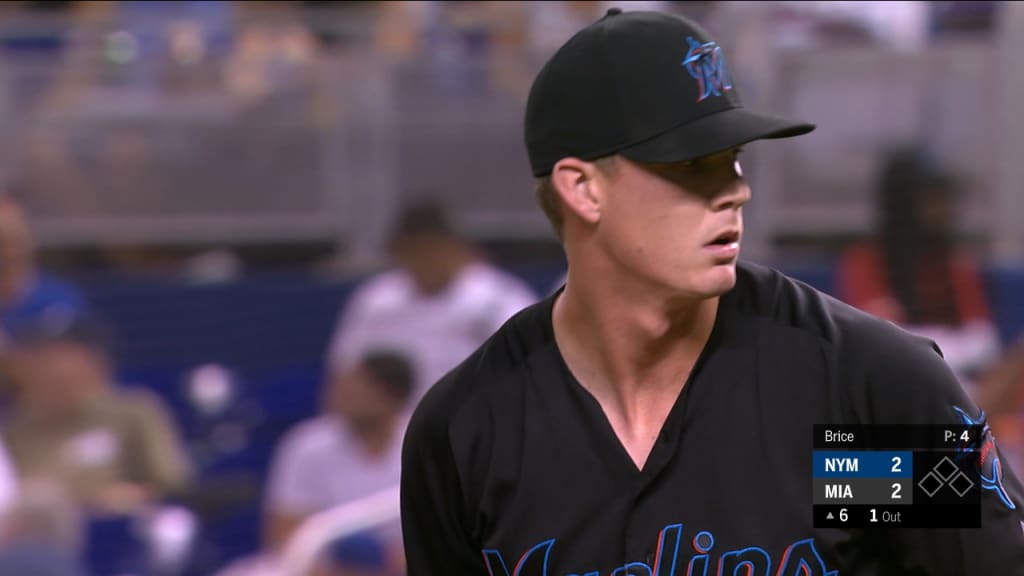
x=705 y=62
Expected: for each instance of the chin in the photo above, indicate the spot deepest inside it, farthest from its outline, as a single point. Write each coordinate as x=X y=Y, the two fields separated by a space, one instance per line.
x=717 y=280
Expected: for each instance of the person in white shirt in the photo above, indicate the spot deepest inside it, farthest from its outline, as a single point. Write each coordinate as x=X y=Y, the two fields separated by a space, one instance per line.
x=351 y=451
x=437 y=306
x=8 y=481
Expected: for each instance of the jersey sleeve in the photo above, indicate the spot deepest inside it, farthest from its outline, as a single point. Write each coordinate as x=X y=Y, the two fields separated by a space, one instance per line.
x=908 y=382
x=434 y=528
x=158 y=454
x=292 y=485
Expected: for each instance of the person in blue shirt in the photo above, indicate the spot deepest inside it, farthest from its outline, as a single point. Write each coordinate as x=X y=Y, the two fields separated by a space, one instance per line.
x=26 y=292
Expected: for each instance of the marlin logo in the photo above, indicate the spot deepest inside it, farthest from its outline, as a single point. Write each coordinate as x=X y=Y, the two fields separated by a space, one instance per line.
x=988 y=460
x=705 y=62
x=799 y=559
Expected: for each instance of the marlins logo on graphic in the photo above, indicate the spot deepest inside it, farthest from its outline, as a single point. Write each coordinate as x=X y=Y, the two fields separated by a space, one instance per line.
x=705 y=62
x=988 y=460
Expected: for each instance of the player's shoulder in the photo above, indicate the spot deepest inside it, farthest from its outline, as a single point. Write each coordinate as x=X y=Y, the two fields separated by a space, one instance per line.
x=382 y=289
x=878 y=372
x=469 y=390
x=312 y=435
x=310 y=440
x=137 y=403
x=485 y=271
x=491 y=279
x=788 y=303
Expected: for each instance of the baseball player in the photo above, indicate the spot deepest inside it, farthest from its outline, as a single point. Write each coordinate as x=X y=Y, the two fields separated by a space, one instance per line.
x=655 y=416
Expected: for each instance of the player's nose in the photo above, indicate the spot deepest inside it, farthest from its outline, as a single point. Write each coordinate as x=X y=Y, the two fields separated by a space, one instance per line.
x=733 y=195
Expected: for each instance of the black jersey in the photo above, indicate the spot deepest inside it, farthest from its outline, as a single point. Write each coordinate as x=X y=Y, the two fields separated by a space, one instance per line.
x=510 y=467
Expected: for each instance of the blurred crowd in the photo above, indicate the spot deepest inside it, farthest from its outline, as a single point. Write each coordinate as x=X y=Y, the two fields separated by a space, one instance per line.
x=82 y=453
x=115 y=97
x=916 y=273
x=96 y=476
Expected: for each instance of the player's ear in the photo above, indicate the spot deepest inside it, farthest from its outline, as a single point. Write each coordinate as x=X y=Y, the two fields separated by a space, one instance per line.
x=579 y=187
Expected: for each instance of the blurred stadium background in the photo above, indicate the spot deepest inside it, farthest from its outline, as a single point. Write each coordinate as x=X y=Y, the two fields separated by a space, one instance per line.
x=217 y=177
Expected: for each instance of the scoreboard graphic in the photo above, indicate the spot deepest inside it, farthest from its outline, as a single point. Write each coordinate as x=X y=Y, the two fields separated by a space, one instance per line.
x=897 y=476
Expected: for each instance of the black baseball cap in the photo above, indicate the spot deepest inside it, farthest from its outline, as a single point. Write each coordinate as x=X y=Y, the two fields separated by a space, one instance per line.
x=650 y=86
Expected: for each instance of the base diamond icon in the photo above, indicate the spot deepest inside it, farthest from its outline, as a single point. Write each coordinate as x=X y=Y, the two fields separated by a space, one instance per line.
x=930 y=484
x=946 y=469
x=961 y=484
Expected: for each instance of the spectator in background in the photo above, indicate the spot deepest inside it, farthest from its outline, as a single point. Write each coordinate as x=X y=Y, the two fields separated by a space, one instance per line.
x=914 y=274
x=1002 y=396
x=114 y=450
x=440 y=303
x=8 y=480
x=360 y=555
x=26 y=293
x=40 y=535
x=351 y=451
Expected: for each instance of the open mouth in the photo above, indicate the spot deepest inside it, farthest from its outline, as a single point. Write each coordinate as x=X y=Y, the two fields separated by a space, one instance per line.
x=726 y=238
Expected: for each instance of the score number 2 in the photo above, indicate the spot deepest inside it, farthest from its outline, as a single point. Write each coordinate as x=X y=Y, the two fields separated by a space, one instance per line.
x=897 y=463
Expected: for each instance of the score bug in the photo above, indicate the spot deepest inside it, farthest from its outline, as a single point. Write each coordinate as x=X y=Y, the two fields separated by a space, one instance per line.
x=952 y=436
x=887 y=516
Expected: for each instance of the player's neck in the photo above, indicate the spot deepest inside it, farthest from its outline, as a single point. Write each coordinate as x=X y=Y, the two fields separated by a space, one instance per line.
x=450 y=266
x=621 y=335
x=633 y=354
x=376 y=437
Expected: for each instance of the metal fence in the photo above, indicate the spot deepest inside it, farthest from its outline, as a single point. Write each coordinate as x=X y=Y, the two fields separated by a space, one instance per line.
x=335 y=141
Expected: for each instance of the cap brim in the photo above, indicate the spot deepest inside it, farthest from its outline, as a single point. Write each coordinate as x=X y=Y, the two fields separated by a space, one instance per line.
x=713 y=134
